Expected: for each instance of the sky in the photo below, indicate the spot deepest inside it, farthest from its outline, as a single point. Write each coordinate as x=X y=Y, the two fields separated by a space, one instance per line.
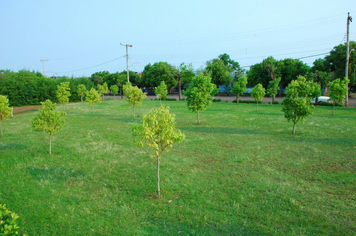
x=78 y=38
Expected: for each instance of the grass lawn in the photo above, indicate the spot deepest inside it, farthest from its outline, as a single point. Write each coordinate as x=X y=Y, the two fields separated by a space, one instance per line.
x=238 y=173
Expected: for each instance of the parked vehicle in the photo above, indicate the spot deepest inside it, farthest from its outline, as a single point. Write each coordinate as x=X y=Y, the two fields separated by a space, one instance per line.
x=322 y=99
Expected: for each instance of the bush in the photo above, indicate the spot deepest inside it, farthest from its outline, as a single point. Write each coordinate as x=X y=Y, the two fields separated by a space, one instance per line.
x=7 y=221
x=217 y=100
x=167 y=99
x=247 y=101
x=275 y=102
x=329 y=104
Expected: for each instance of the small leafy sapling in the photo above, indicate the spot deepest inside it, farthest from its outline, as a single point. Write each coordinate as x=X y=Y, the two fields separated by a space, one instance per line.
x=200 y=94
x=338 y=91
x=63 y=93
x=134 y=96
x=48 y=120
x=159 y=133
x=272 y=89
x=92 y=96
x=162 y=91
x=114 y=89
x=81 y=91
x=239 y=87
x=258 y=92
x=296 y=104
x=8 y=225
x=102 y=89
x=5 y=110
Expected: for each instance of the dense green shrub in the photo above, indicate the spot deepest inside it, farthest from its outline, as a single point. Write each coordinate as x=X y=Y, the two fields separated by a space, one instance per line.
x=167 y=99
x=329 y=104
x=8 y=221
x=217 y=100
x=275 y=102
x=247 y=101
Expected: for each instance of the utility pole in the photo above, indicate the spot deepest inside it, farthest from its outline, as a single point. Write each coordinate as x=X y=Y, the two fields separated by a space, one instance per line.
x=44 y=72
x=349 y=19
x=127 y=59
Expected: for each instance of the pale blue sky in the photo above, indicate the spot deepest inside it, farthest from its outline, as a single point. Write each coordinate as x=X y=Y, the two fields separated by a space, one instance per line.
x=75 y=34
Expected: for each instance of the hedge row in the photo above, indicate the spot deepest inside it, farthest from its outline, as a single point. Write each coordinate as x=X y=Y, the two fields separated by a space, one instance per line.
x=30 y=88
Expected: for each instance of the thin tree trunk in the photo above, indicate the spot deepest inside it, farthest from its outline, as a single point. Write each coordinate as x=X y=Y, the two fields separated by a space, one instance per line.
x=257 y=106
x=81 y=98
x=1 y=128
x=293 y=132
x=121 y=93
x=238 y=98
x=158 y=188
x=316 y=101
x=180 y=89
x=333 y=108
x=50 y=144
x=134 y=111
x=198 y=117
x=272 y=99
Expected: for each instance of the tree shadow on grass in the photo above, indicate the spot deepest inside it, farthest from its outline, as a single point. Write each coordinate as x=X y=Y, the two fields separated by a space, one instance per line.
x=95 y=114
x=325 y=141
x=12 y=146
x=127 y=120
x=55 y=174
x=221 y=130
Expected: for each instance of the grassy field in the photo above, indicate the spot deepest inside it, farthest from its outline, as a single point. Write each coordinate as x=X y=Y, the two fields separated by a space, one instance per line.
x=238 y=173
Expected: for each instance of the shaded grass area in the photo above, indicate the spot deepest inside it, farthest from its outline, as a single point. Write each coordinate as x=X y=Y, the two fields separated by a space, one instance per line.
x=239 y=172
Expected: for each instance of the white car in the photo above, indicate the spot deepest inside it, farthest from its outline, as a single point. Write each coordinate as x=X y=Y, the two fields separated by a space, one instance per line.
x=321 y=99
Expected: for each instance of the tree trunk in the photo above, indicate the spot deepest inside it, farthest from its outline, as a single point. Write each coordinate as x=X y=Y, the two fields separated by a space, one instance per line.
x=50 y=144
x=158 y=188
x=272 y=99
x=134 y=111
x=333 y=108
x=257 y=106
x=198 y=117
x=293 y=132
x=316 y=101
x=1 y=128
x=180 y=89
x=81 y=98
x=237 y=98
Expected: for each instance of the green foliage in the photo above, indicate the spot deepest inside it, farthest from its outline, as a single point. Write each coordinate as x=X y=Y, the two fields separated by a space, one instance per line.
x=219 y=73
x=5 y=110
x=158 y=132
x=81 y=91
x=290 y=69
x=296 y=104
x=100 y=77
x=275 y=102
x=92 y=96
x=114 y=89
x=134 y=96
x=258 y=74
x=8 y=219
x=230 y=64
x=338 y=91
x=162 y=91
x=199 y=94
x=258 y=92
x=63 y=92
x=152 y=75
x=216 y=100
x=48 y=120
x=248 y=101
x=239 y=86
x=273 y=86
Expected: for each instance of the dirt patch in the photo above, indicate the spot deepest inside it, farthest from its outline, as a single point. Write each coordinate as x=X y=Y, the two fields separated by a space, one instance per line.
x=18 y=110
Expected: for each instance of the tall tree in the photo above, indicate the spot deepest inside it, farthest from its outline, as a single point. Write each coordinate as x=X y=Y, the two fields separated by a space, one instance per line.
x=185 y=74
x=258 y=92
x=63 y=92
x=5 y=110
x=99 y=77
x=291 y=69
x=121 y=81
x=48 y=120
x=81 y=91
x=258 y=74
x=239 y=86
x=232 y=66
x=296 y=104
x=159 y=133
x=338 y=91
x=200 y=94
x=220 y=74
x=134 y=96
x=152 y=75
x=271 y=65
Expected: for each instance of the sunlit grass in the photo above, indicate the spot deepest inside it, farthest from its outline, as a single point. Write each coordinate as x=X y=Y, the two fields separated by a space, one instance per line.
x=239 y=172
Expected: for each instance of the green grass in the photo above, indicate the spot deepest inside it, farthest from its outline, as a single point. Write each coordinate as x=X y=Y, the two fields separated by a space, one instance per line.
x=238 y=173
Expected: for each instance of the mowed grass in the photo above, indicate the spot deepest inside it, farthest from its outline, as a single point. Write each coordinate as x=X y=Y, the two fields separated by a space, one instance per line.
x=238 y=173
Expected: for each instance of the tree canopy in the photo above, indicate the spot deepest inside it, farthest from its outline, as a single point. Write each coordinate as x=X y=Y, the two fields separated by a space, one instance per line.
x=239 y=86
x=152 y=75
x=338 y=91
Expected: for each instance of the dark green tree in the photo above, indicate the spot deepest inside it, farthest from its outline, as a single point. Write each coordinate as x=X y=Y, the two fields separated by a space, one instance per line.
x=219 y=73
x=152 y=75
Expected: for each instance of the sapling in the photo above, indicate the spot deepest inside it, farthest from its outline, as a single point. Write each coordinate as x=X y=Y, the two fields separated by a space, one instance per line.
x=5 y=110
x=258 y=92
x=63 y=93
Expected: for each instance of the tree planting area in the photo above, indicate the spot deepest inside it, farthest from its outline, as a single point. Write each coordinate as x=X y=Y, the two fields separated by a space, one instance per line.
x=239 y=172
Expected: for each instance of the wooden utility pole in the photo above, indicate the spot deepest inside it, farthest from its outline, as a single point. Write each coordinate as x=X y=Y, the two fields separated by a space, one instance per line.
x=349 y=19
x=44 y=72
x=127 y=59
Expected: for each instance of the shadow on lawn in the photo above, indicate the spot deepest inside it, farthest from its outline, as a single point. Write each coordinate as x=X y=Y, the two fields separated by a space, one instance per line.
x=221 y=130
x=127 y=120
x=56 y=174
x=323 y=141
x=12 y=146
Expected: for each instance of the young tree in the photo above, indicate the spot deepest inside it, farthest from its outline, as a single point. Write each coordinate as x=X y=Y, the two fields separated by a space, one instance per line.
x=273 y=88
x=121 y=80
x=81 y=91
x=258 y=92
x=63 y=93
x=134 y=96
x=338 y=91
x=102 y=89
x=92 y=97
x=185 y=74
x=114 y=89
x=48 y=120
x=296 y=104
x=200 y=94
x=239 y=86
x=5 y=110
x=159 y=133
x=162 y=90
